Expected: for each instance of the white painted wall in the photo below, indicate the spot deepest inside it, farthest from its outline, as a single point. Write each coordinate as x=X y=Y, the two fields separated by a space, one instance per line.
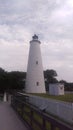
x=35 y=71
x=56 y=89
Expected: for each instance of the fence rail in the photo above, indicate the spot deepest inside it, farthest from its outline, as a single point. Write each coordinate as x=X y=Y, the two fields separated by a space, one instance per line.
x=35 y=118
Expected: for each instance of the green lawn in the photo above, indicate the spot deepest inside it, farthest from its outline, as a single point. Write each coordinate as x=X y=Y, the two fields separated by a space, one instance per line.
x=66 y=97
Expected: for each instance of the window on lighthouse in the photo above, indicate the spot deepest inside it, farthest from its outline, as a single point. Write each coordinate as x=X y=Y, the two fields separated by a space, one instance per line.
x=37 y=83
x=36 y=62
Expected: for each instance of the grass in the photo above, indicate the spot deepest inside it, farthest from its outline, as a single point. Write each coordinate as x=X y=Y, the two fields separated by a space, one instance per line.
x=66 y=97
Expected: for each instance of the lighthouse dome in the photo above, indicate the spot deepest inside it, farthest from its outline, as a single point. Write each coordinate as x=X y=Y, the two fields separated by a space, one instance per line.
x=35 y=37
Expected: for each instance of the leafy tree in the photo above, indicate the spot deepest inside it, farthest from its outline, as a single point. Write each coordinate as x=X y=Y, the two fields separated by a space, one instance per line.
x=11 y=80
x=16 y=80
x=49 y=76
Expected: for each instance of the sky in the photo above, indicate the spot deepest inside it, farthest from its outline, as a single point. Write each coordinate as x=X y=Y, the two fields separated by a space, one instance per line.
x=51 y=20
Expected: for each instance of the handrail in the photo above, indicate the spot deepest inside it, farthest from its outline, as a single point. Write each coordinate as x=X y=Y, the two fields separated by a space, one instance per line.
x=27 y=113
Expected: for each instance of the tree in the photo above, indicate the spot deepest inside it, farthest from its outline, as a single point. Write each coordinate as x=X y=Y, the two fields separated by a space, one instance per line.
x=16 y=80
x=2 y=79
x=49 y=76
x=11 y=80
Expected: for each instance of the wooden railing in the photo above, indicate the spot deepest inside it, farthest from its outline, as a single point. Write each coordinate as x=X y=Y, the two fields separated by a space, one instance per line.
x=35 y=118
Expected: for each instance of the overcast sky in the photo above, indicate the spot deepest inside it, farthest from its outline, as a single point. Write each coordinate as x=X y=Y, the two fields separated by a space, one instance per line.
x=51 y=20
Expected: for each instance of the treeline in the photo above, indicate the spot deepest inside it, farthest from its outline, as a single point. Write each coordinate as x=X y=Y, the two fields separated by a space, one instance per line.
x=11 y=80
x=51 y=77
x=15 y=80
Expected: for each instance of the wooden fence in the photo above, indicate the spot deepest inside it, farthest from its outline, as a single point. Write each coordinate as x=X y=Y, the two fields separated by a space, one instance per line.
x=35 y=118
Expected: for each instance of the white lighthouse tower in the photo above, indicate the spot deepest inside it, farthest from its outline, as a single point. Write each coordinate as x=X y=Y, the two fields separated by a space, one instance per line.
x=35 y=79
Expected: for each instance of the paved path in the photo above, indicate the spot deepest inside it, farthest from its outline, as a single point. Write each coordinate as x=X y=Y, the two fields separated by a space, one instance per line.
x=9 y=119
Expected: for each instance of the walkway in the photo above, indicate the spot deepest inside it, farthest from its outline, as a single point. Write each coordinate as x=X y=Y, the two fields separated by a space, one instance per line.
x=9 y=120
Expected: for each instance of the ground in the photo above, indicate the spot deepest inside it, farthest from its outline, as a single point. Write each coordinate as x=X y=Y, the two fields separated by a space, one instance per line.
x=66 y=97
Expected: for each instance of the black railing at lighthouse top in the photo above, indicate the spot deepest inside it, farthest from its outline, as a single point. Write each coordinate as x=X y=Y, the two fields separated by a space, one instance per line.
x=35 y=118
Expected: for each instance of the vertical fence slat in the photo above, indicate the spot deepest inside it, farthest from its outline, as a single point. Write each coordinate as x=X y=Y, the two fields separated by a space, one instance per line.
x=52 y=127
x=44 y=124
x=31 y=116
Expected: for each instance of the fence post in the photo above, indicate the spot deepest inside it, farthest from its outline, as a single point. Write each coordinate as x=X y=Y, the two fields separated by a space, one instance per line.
x=22 y=110
x=44 y=124
x=52 y=127
x=31 y=118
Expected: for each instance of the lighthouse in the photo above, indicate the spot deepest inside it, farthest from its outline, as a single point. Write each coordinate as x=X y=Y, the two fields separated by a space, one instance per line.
x=35 y=78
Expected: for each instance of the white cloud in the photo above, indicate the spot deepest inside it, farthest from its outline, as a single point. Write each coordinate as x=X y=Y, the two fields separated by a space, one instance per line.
x=51 y=20
x=13 y=56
